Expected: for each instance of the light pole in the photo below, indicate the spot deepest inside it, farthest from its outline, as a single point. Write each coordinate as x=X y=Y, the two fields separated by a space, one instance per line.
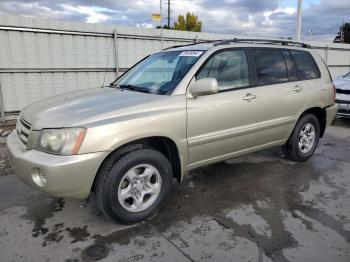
x=161 y=13
x=168 y=14
x=161 y=21
x=298 y=24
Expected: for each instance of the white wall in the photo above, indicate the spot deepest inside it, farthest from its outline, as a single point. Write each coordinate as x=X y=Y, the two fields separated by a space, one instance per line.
x=41 y=57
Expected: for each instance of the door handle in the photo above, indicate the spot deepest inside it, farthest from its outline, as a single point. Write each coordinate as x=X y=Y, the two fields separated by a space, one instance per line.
x=297 y=88
x=249 y=97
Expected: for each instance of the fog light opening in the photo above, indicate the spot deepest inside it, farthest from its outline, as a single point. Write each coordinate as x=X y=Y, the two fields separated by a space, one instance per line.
x=39 y=177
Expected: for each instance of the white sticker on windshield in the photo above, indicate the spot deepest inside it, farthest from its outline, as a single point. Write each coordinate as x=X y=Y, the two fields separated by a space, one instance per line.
x=191 y=53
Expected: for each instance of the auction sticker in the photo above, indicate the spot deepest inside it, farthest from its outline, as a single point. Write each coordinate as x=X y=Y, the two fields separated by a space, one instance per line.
x=191 y=53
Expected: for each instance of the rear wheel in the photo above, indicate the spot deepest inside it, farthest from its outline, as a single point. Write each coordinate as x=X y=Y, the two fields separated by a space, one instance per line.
x=303 y=141
x=135 y=187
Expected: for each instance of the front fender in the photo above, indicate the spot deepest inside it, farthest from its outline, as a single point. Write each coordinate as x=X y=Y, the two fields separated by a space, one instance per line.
x=167 y=121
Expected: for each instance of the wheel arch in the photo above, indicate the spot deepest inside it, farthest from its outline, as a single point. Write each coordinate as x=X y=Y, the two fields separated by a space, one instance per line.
x=321 y=115
x=163 y=144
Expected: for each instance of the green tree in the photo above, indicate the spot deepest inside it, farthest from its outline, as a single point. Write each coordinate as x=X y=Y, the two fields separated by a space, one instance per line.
x=343 y=35
x=189 y=22
x=164 y=27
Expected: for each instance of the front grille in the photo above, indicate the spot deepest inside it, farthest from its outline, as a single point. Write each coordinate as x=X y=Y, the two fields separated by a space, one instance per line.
x=23 y=130
x=343 y=91
x=339 y=101
x=343 y=107
x=344 y=111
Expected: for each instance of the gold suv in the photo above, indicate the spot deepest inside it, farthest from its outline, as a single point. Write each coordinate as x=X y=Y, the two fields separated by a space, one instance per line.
x=175 y=110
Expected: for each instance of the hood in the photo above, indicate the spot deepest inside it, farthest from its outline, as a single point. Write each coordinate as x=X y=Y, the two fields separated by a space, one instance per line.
x=342 y=83
x=343 y=89
x=81 y=108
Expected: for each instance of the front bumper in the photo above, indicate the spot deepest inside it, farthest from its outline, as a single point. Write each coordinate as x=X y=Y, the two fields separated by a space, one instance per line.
x=344 y=108
x=66 y=176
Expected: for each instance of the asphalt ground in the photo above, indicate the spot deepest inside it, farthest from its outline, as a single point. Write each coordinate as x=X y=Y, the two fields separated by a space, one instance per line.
x=259 y=207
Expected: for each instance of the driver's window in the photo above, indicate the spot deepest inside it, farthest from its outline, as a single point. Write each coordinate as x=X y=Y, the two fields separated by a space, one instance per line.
x=230 y=68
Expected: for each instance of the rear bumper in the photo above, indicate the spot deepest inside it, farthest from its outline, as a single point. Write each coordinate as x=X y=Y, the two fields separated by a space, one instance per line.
x=344 y=108
x=66 y=176
x=331 y=112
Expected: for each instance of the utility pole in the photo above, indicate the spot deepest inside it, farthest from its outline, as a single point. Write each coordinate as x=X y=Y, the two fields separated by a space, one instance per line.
x=168 y=14
x=161 y=13
x=161 y=21
x=298 y=24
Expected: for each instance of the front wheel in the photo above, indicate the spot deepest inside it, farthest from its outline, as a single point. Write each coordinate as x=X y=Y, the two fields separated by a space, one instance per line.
x=135 y=187
x=303 y=141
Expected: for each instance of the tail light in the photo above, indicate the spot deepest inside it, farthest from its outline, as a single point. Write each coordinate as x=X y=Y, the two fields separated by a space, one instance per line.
x=334 y=92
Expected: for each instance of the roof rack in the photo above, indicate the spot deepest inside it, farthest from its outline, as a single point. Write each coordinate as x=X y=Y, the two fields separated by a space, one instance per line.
x=175 y=46
x=195 y=43
x=264 y=41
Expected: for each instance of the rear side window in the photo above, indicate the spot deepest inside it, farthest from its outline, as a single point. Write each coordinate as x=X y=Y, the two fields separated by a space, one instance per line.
x=306 y=66
x=292 y=71
x=230 y=68
x=270 y=66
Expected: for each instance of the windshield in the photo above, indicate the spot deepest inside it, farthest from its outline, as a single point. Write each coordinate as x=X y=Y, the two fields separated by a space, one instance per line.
x=159 y=73
x=347 y=75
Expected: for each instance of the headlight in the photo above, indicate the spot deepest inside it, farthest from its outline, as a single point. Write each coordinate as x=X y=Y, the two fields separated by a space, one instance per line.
x=64 y=141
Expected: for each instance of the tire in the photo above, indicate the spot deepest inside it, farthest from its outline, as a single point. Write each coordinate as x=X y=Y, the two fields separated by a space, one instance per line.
x=120 y=187
x=301 y=153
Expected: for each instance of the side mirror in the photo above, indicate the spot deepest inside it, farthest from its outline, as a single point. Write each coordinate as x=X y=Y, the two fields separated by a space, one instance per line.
x=204 y=86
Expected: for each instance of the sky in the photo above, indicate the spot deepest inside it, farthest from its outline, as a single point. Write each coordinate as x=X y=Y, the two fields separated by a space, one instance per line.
x=274 y=18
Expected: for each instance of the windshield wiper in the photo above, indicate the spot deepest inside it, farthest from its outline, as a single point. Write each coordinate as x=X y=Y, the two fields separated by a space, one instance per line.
x=133 y=88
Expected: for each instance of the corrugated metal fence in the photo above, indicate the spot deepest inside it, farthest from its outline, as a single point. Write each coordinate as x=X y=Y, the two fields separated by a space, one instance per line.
x=41 y=57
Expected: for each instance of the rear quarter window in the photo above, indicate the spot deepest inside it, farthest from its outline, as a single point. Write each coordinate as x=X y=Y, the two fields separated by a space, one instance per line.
x=306 y=65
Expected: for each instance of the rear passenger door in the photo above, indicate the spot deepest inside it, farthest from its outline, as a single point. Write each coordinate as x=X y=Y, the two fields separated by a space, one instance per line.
x=281 y=94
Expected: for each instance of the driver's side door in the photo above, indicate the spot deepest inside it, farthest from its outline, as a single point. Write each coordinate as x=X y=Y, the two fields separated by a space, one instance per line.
x=223 y=124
